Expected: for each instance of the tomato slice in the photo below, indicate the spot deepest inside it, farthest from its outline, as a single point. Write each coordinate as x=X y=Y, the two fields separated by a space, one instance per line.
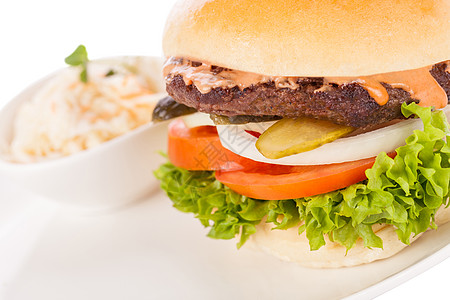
x=199 y=148
x=289 y=182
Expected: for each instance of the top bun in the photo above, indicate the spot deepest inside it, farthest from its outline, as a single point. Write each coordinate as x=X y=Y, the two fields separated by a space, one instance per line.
x=311 y=38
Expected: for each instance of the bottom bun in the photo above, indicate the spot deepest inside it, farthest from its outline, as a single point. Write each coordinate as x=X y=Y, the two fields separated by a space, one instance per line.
x=288 y=245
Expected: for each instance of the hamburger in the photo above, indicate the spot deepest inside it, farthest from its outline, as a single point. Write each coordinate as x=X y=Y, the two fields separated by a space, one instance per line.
x=321 y=132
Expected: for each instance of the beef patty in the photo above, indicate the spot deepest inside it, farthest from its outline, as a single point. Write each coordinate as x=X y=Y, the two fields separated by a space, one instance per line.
x=346 y=104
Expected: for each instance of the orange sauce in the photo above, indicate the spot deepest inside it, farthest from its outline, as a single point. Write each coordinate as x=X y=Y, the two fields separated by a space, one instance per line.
x=419 y=83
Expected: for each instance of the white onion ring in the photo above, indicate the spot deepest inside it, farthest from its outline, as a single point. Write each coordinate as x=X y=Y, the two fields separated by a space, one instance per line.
x=369 y=144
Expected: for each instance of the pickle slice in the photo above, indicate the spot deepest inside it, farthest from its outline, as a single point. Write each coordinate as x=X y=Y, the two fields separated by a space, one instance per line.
x=167 y=108
x=241 y=119
x=291 y=136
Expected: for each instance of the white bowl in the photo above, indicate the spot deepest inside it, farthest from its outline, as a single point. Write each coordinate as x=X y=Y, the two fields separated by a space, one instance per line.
x=112 y=174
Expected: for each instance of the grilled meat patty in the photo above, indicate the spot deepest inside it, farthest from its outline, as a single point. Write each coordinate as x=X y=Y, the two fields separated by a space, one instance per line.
x=347 y=104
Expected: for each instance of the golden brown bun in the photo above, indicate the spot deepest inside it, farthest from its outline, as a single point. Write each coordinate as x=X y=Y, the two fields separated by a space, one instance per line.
x=289 y=246
x=311 y=38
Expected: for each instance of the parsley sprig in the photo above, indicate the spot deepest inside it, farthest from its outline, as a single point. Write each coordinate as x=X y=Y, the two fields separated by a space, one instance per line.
x=79 y=57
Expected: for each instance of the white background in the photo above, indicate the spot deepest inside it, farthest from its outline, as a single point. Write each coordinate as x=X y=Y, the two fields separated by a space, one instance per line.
x=35 y=36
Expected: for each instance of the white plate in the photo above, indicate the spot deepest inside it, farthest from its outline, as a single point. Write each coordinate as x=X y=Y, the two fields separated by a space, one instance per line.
x=151 y=250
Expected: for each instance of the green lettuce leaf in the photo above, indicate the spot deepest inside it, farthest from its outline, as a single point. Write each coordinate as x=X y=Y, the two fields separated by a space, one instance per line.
x=405 y=191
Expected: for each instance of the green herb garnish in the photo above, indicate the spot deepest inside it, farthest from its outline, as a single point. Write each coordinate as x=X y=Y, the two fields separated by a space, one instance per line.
x=79 y=57
x=110 y=73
